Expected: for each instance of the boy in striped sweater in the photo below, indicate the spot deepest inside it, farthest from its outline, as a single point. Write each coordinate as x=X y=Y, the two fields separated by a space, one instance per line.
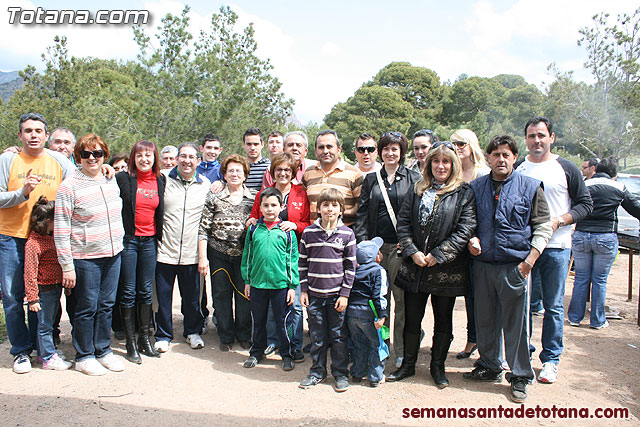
x=327 y=270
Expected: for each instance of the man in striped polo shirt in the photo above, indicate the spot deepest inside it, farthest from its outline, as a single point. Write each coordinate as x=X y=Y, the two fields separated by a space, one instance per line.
x=333 y=172
x=253 y=144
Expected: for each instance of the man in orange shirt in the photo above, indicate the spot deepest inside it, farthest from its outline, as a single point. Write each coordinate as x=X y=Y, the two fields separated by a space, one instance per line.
x=24 y=177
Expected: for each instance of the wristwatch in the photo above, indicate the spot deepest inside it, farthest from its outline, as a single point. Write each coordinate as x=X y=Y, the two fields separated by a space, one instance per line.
x=561 y=222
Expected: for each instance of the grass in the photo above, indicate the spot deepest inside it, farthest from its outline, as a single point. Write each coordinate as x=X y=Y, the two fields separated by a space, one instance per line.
x=3 y=326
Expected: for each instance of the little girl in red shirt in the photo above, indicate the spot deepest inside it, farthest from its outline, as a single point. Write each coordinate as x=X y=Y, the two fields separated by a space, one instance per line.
x=43 y=281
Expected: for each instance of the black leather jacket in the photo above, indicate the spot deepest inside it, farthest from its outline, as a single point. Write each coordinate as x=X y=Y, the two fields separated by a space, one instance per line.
x=366 y=226
x=454 y=222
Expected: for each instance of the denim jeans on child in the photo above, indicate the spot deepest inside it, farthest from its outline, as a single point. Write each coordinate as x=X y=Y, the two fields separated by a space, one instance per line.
x=49 y=306
x=593 y=255
x=366 y=360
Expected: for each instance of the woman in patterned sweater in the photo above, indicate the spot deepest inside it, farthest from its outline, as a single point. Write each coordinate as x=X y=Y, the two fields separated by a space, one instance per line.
x=223 y=227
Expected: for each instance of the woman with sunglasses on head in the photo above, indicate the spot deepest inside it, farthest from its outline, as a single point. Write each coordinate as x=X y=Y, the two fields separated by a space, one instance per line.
x=88 y=233
x=422 y=142
x=377 y=218
x=142 y=192
x=474 y=165
x=434 y=226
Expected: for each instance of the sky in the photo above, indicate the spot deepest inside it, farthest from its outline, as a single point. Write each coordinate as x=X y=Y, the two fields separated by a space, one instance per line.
x=322 y=52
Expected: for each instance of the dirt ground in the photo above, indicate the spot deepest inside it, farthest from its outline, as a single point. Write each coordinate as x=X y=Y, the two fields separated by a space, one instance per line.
x=598 y=370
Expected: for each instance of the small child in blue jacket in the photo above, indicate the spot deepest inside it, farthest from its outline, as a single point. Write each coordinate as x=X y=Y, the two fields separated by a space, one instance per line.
x=370 y=284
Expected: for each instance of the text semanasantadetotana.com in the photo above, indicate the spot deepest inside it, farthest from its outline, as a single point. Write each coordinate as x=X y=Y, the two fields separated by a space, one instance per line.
x=516 y=412
x=18 y=15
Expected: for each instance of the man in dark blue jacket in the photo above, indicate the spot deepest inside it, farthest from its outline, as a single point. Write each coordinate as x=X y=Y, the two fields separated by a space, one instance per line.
x=513 y=229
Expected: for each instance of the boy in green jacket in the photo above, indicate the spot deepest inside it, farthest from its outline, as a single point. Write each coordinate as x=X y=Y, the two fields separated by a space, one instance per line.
x=270 y=271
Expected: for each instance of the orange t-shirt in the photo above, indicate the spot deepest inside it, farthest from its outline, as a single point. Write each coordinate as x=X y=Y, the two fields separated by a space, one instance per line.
x=14 y=221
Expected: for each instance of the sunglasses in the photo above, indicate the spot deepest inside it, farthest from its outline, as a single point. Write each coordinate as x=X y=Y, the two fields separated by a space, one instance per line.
x=362 y=150
x=445 y=143
x=97 y=154
x=460 y=144
x=396 y=134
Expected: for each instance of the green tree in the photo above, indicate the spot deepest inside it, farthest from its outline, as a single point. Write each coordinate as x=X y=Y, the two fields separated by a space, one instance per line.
x=372 y=109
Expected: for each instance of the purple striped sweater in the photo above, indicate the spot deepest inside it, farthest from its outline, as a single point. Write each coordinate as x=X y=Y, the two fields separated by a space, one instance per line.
x=327 y=260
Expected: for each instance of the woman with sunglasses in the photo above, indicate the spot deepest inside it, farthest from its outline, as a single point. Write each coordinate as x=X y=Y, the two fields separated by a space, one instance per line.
x=88 y=233
x=142 y=192
x=435 y=224
x=474 y=165
x=375 y=218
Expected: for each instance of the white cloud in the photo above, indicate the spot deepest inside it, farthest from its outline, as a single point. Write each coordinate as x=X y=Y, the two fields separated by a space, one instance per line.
x=330 y=49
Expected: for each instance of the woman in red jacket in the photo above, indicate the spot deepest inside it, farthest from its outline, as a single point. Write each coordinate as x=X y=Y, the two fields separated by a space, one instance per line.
x=295 y=216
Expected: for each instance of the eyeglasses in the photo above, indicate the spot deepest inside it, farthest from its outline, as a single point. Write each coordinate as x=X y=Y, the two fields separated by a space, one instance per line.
x=369 y=149
x=97 y=154
x=460 y=144
x=285 y=170
x=445 y=143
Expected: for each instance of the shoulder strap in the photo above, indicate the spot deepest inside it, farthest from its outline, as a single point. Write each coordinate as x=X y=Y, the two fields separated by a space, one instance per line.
x=385 y=196
x=252 y=229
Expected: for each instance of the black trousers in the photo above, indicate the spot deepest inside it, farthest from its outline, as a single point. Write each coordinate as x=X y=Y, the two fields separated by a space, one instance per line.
x=414 y=308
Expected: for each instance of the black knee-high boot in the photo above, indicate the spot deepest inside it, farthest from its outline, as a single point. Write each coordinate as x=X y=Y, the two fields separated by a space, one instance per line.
x=128 y=315
x=408 y=368
x=439 y=351
x=144 y=322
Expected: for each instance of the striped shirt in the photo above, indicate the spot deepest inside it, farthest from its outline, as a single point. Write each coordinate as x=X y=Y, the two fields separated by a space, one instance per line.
x=345 y=178
x=256 y=172
x=327 y=260
x=88 y=219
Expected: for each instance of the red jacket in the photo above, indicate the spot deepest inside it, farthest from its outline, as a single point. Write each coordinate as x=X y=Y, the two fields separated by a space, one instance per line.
x=297 y=208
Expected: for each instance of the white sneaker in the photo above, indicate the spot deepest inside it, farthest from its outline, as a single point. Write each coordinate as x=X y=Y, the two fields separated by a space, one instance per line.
x=56 y=363
x=161 y=346
x=604 y=325
x=399 y=362
x=574 y=324
x=21 y=364
x=549 y=373
x=111 y=362
x=91 y=366
x=195 y=341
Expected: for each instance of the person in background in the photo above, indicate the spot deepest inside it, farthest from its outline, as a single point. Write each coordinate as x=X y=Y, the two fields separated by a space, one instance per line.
x=422 y=142
x=595 y=242
x=210 y=149
x=296 y=144
x=119 y=162
x=589 y=167
x=88 y=234
x=366 y=151
x=142 y=193
x=168 y=157
x=275 y=143
x=258 y=164
x=474 y=165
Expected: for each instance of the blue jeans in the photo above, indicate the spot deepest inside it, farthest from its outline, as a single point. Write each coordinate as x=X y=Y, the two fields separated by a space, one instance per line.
x=95 y=290
x=49 y=306
x=593 y=255
x=366 y=360
x=189 y=285
x=22 y=339
x=551 y=269
x=138 y=270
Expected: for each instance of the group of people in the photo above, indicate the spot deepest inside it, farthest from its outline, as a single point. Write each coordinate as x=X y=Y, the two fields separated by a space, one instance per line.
x=281 y=233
